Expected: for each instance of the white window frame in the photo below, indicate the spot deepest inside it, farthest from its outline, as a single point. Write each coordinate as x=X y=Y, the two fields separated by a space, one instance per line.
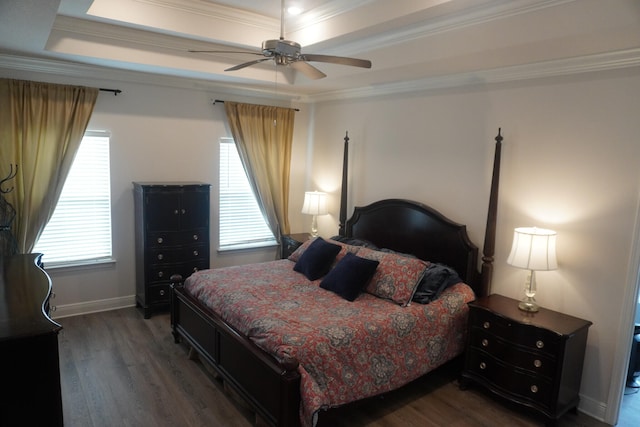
x=80 y=229
x=241 y=224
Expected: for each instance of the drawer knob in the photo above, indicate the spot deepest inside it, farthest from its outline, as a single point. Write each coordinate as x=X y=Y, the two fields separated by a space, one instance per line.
x=160 y=256
x=160 y=240
x=483 y=365
x=195 y=253
x=175 y=212
x=161 y=292
x=537 y=363
x=486 y=325
x=540 y=344
x=195 y=237
x=195 y=269
x=485 y=342
x=534 y=388
x=160 y=274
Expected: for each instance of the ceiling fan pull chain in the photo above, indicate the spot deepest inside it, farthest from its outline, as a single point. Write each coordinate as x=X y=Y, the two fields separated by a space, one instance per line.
x=275 y=88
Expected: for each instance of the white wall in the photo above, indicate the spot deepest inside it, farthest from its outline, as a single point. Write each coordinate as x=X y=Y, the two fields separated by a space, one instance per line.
x=157 y=134
x=570 y=162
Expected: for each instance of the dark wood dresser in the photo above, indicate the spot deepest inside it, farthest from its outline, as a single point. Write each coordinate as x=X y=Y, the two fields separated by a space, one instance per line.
x=291 y=242
x=172 y=237
x=532 y=359
x=28 y=345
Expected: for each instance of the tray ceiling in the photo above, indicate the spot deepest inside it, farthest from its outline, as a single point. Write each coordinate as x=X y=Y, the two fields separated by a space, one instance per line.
x=412 y=44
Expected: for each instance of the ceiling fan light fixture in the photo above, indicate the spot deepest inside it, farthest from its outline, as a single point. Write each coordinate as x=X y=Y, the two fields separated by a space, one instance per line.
x=288 y=53
x=286 y=48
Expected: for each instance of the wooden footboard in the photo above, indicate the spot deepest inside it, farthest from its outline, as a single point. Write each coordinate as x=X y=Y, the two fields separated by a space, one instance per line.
x=270 y=388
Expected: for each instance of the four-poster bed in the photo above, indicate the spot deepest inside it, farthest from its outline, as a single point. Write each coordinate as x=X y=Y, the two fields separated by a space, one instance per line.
x=286 y=376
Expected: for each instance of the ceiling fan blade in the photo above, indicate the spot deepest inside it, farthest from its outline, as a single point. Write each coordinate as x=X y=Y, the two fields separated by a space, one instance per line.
x=354 y=62
x=247 y=64
x=289 y=74
x=308 y=70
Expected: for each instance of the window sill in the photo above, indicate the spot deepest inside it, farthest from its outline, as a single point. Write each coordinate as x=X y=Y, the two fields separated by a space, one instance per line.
x=77 y=265
x=248 y=246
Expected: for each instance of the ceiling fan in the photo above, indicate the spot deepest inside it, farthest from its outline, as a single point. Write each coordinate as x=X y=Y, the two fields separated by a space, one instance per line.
x=287 y=52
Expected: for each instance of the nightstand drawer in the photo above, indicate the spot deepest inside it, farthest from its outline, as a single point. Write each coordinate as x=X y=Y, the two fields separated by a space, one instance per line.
x=537 y=362
x=517 y=383
x=517 y=333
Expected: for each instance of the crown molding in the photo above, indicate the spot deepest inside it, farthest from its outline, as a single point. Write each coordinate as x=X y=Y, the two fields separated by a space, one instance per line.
x=218 y=11
x=325 y=12
x=561 y=67
x=114 y=76
x=483 y=13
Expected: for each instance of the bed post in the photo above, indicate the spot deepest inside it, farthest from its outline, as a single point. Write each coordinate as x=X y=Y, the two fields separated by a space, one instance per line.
x=343 y=191
x=490 y=231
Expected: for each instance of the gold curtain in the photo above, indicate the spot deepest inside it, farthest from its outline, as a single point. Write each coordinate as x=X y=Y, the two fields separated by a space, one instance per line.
x=263 y=135
x=41 y=127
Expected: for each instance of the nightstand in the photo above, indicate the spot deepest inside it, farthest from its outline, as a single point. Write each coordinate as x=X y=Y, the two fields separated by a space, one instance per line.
x=531 y=359
x=291 y=242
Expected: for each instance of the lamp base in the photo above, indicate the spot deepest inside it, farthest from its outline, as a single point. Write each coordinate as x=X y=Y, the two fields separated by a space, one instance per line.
x=314 y=226
x=529 y=305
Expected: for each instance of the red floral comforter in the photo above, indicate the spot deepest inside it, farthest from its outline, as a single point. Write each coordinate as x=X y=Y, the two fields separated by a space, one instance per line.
x=347 y=350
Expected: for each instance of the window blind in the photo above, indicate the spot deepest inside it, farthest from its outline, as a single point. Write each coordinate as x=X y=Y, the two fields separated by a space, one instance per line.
x=242 y=224
x=80 y=228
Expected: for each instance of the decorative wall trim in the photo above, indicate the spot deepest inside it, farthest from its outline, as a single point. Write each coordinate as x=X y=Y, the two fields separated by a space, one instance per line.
x=87 y=307
x=220 y=12
x=114 y=75
x=561 y=67
x=482 y=13
x=592 y=407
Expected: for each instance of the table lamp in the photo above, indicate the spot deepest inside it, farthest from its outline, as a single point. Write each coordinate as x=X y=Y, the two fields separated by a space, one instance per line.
x=533 y=249
x=315 y=203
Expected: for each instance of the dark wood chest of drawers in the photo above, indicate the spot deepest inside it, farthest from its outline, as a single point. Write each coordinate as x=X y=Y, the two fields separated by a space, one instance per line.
x=172 y=237
x=28 y=345
x=532 y=359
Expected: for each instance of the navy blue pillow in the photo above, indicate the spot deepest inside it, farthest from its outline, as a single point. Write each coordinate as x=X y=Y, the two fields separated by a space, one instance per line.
x=316 y=261
x=349 y=277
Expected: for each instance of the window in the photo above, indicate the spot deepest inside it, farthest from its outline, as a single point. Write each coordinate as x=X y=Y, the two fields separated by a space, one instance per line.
x=80 y=229
x=241 y=222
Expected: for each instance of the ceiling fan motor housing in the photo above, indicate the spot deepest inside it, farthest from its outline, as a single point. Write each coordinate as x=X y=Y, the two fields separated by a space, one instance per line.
x=282 y=47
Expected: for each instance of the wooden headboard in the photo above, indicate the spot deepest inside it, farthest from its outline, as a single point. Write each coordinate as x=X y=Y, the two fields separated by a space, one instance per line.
x=411 y=227
x=415 y=228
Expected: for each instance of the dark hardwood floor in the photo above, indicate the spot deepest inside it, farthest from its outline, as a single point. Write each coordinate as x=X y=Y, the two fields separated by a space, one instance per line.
x=119 y=369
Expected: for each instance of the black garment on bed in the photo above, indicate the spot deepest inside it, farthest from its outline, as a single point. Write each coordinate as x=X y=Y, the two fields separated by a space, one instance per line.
x=436 y=279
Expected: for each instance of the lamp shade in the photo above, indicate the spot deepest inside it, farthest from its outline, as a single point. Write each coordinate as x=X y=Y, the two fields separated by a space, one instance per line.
x=315 y=203
x=534 y=249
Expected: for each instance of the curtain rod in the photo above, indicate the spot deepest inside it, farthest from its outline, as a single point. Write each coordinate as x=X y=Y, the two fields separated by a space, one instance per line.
x=115 y=91
x=222 y=102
